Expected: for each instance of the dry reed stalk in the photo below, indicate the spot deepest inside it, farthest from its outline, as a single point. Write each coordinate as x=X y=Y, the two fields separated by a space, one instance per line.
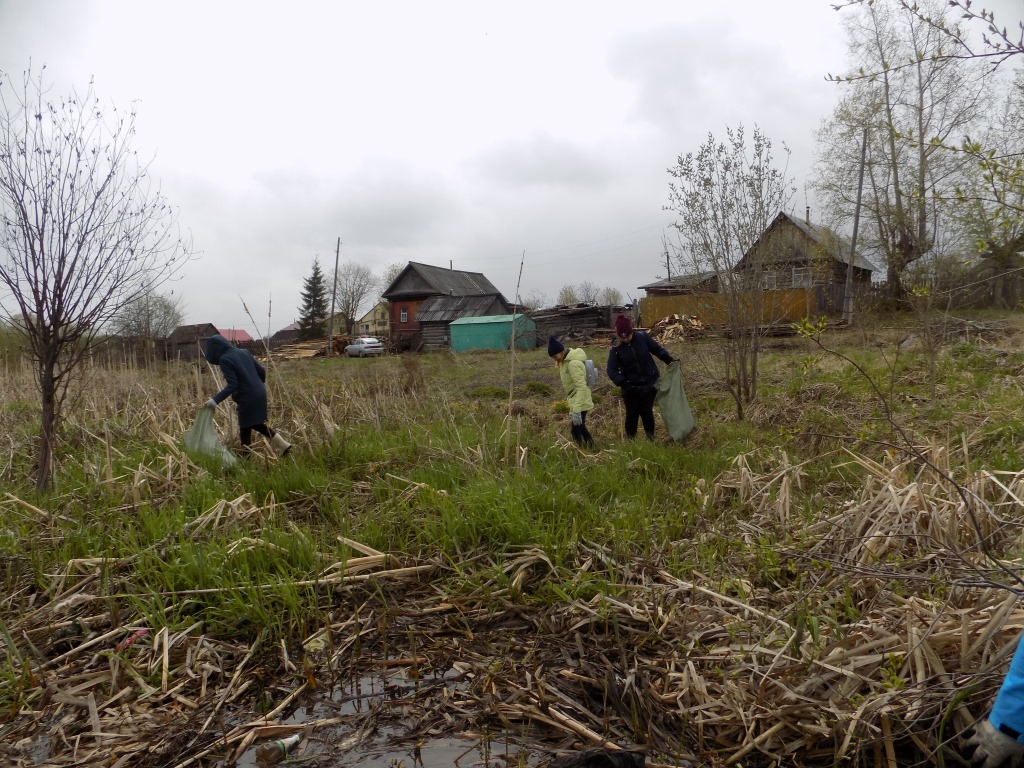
x=727 y=667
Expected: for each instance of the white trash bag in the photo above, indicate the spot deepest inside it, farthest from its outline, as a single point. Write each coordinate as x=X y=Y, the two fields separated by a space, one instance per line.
x=202 y=439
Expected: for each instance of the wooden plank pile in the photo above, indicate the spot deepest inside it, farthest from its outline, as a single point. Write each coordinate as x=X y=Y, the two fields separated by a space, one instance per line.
x=300 y=350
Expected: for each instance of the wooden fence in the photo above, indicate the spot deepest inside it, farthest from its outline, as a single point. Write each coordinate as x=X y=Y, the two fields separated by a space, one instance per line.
x=763 y=308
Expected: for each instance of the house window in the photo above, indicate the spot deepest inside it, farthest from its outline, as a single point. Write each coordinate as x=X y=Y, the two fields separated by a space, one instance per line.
x=364 y=329
x=766 y=282
x=403 y=316
x=801 y=277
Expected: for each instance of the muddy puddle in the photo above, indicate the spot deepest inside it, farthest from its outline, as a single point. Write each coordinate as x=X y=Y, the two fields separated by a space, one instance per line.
x=373 y=722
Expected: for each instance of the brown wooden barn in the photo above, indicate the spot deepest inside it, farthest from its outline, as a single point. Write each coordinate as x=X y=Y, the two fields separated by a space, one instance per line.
x=184 y=341
x=424 y=299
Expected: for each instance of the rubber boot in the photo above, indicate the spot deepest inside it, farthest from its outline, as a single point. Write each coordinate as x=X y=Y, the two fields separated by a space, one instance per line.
x=280 y=445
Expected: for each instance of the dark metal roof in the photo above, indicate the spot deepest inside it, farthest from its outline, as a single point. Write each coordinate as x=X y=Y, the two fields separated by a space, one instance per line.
x=444 y=309
x=186 y=334
x=424 y=279
x=679 y=281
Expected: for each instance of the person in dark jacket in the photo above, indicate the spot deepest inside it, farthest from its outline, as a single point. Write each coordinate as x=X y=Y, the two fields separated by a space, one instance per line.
x=245 y=383
x=631 y=367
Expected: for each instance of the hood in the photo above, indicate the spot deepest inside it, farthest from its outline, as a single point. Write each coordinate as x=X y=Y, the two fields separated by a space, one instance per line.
x=215 y=347
x=576 y=354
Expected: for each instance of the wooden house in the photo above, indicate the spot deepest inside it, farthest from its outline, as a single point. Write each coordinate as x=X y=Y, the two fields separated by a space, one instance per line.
x=424 y=299
x=792 y=253
x=184 y=343
x=794 y=269
x=287 y=335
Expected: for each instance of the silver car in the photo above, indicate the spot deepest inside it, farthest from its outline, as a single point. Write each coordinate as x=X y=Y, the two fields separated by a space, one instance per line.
x=364 y=346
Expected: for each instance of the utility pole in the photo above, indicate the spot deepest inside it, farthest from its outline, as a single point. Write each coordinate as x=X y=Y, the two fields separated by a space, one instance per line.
x=334 y=293
x=848 y=297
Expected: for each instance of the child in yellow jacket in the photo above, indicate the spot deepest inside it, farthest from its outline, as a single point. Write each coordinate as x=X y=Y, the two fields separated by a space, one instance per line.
x=573 y=372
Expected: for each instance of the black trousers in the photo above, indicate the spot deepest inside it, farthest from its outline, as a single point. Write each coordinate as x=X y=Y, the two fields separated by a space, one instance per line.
x=581 y=434
x=245 y=433
x=639 y=404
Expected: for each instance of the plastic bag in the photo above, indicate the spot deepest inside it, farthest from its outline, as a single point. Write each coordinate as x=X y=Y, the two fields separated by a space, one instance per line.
x=202 y=439
x=672 y=402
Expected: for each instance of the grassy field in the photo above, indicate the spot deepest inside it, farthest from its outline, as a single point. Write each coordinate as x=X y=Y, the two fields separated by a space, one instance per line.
x=824 y=580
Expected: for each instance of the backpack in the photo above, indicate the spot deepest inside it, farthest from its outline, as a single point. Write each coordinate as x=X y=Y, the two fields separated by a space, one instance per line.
x=592 y=376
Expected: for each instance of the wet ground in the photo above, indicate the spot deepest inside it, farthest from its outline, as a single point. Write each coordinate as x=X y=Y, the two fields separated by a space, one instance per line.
x=379 y=729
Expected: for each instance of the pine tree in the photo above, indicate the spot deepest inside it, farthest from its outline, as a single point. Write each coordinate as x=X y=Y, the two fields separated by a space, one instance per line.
x=313 y=312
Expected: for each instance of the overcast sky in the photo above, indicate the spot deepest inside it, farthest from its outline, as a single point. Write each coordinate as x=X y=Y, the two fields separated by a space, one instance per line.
x=468 y=133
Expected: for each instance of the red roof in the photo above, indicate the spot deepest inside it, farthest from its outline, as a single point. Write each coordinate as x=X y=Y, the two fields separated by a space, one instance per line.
x=235 y=334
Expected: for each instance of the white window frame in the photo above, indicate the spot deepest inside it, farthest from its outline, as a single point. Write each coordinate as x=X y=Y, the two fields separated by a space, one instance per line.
x=403 y=315
x=802 y=277
x=767 y=280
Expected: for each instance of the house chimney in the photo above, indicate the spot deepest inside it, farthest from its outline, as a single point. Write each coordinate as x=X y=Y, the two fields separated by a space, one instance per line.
x=807 y=216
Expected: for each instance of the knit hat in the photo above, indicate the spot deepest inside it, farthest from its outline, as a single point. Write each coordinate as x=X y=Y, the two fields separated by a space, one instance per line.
x=554 y=346
x=623 y=326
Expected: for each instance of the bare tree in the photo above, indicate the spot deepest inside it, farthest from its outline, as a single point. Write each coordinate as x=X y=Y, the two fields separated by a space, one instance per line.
x=354 y=284
x=588 y=292
x=611 y=296
x=389 y=274
x=567 y=295
x=82 y=232
x=998 y=43
x=535 y=299
x=149 y=317
x=725 y=196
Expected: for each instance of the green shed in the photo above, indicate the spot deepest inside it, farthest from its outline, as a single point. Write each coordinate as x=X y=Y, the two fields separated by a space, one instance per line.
x=492 y=332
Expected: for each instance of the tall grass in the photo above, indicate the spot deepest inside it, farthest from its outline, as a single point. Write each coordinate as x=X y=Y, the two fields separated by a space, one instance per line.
x=407 y=455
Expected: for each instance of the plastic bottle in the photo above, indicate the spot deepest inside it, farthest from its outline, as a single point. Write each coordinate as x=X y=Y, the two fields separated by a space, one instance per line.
x=276 y=750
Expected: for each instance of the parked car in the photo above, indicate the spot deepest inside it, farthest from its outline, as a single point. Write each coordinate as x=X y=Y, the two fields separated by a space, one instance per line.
x=364 y=346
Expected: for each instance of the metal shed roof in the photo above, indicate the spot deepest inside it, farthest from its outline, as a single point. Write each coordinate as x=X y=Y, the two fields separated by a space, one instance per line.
x=445 y=309
x=484 y=319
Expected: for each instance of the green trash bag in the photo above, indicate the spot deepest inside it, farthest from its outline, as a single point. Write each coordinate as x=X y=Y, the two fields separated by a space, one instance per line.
x=202 y=439
x=672 y=402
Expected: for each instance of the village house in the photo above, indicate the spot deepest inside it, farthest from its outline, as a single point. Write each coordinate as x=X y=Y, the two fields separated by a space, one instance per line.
x=287 y=335
x=184 y=341
x=424 y=299
x=794 y=269
x=375 y=322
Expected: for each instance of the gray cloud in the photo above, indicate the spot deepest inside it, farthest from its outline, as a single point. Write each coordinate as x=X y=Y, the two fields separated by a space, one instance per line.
x=544 y=161
x=468 y=137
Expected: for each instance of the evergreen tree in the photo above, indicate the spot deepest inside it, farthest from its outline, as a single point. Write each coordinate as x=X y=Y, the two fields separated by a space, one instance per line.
x=313 y=312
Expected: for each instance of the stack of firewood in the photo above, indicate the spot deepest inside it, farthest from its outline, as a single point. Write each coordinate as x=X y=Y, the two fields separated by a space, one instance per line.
x=678 y=328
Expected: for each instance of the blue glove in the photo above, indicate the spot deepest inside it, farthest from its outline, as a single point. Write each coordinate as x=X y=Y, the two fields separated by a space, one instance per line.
x=577 y=419
x=211 y=404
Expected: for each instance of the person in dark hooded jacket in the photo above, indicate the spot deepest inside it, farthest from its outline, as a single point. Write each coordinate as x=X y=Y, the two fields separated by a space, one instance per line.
x=631 y=367
x=245 y=383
